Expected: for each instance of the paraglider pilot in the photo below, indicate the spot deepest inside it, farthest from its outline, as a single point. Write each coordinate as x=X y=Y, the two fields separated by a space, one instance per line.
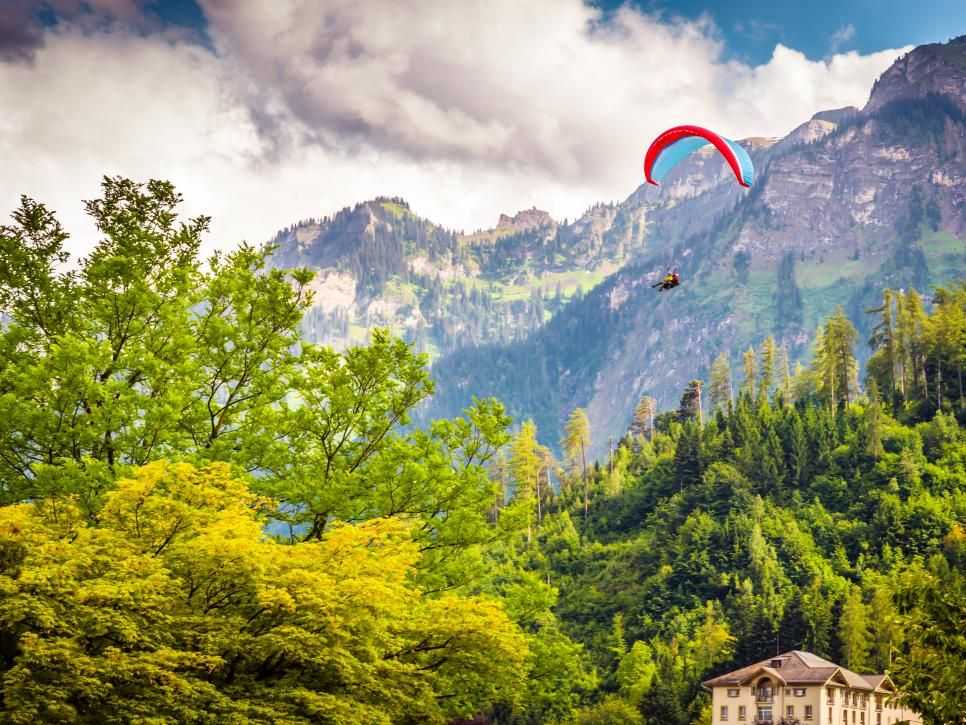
x=669 y=281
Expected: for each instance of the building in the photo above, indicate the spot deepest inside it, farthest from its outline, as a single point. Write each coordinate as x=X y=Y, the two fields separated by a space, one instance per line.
x=799 y=688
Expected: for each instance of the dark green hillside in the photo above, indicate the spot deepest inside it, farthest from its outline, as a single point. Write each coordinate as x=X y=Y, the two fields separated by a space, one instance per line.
x=775 y=525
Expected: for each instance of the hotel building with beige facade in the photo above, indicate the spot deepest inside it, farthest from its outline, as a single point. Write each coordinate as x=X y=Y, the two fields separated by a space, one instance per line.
x=799 y=688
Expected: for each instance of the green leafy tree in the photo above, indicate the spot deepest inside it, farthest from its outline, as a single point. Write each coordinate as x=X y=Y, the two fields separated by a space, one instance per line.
x=175 y=605
x=610 y=711
x=930 y=668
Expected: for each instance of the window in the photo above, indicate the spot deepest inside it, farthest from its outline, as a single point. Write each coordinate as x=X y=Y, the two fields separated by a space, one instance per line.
x=853 y=716
x=787 y=692
x=724 y=712
x=734 y=692
x=862 y=717
x=741 y=712
x=845 y=716
x=799 y=692
x=808 y=712
x=790 y=711
x=878 y=718
x=831 y=698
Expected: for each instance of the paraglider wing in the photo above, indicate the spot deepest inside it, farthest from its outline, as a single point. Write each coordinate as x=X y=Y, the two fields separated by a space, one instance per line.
x=672 y=146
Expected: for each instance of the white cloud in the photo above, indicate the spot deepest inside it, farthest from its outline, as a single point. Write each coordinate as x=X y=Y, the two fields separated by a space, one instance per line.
x=465 y=109
x=842 y=36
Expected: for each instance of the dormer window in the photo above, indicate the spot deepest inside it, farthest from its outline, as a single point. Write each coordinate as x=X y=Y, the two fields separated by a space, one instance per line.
x=776 y=664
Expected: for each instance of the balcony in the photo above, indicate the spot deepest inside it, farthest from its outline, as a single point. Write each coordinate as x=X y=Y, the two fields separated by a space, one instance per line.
x=764 y=696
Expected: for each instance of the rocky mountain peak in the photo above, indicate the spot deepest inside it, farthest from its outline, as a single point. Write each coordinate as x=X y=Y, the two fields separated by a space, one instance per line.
x=836 y=115
x=526 y=219
x=935 y=69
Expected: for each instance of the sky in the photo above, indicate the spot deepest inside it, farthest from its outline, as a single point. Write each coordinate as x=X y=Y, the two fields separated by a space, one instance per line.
x=264 y=113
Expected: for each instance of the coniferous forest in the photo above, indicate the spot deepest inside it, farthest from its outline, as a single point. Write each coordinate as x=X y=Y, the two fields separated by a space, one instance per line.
x=207 y=519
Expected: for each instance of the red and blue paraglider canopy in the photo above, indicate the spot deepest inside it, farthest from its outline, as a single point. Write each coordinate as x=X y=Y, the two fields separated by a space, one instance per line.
x=675 y=144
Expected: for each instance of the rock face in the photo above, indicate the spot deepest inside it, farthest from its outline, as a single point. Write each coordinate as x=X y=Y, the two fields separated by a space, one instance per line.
x=526 y=219
x=849 y=202
x=935 y=69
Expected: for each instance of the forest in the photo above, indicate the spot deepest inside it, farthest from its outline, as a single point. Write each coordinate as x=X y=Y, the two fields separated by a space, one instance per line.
x=205 y=518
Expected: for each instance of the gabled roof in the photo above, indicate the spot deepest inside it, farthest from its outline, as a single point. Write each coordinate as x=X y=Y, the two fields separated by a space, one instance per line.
x=796 y=668
x=882 y=683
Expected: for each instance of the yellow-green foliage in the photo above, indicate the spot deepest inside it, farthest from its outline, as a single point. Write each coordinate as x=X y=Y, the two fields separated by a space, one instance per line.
x=175 y=607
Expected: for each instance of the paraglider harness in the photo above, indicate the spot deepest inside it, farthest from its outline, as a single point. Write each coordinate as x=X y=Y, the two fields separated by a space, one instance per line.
x=669 y=281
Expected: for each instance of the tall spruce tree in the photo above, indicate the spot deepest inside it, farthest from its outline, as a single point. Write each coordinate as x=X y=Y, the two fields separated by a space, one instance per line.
x=750 y=376
x=854 y=633
x=576 y=441
x=690 y=407
x=766 y=373
x=720 y=383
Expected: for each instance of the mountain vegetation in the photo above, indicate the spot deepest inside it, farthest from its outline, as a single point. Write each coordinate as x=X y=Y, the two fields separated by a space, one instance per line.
x=208 y=518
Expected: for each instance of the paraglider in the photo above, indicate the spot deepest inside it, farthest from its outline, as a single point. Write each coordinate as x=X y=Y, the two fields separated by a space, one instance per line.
x=669 y=281
x=676 y=144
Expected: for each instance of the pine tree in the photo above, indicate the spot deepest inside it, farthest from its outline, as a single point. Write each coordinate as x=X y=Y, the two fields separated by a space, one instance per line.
x=748 y=364
x=766 y=374
x=817 y=611
x=854 y=631
x=690 y=408
x=576 y=442
x=687 y=455
x=835 y=365
x=642 y=423
x=525 y=465
x=885 y=629
x=873 y=423
x=720 y=382
x=786 y=384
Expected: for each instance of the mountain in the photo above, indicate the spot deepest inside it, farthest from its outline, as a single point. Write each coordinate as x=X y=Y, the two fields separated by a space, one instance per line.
x=851 y=201
x=379 y=264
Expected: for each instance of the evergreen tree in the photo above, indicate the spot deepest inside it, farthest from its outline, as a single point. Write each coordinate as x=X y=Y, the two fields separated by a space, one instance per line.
x=819 y=622
x=835 y=365
x=525 y=465
x=642 y=423
x=767 y=367
x=687 y=455
x=720 y=382
x=885 y=629
x=873 y=423
x=854 y=631
x=786 y=384
x=750 y=376
x=690 y=407
x=576 y=441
